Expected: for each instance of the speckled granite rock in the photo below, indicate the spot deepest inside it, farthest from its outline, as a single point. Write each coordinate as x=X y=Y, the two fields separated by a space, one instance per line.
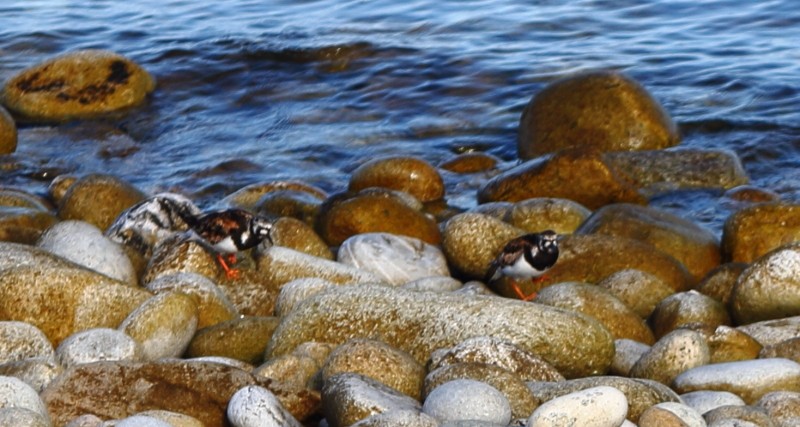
x=595 y=406
x=626 y=354
x=98 y=199
x=242 y=338
x=687 y=308
x=120 y=389
x=703 y=401
x=603 y=109
x=671 y=414
x=639 y=290
x=294 y=292
x=640 y=393
x=77 y=85
x=789 y=349
x=753 y=231
x=292 y=369
x=24 y=224
x=771 y=332
x=395 y=259
x=673 y=354
x=464 y=399
x=719 y=282
x=405 y=173
x=300 y=205
x=16 y=394
x=279 y=266
x=694 y=246
x=729 y=345
x=410 y=321
x=248 y=197
x=213 y=306
x=399 y=418
x=738 y=415
x=21 y=417
x=163 y=325
x=546 y=213
x=255 y=406
x=98 y=344
x=36 y=372
x=294 y=234
x=22 y=340
x=782 y=406
x=348 y=398
x=472 y=240
x=748 y=379
x=769 y=288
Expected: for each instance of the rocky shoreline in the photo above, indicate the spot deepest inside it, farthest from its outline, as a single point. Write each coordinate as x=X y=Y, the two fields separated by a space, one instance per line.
x=369 y=309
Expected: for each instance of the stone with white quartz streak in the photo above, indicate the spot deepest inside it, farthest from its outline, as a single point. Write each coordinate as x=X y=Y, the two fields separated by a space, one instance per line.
x=254 y=406
x=396 y=259
x=749 y=379
x=601 y=406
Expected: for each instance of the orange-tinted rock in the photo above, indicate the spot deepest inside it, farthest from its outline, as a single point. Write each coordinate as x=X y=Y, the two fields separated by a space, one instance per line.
x=78 y=85
x=8 y=132
x=756 y=230
x=470 y=163
x=365 y=213
x=719 y=282
x=581 y=175
x=410 y=174
x=694 y=246
x=98 y=199
x=294 y=234
x=248 y=197
x=602 y=109
x=24 y=225
x=751 y=194
x=687 y=308
x=543 y=213
x=298 y=204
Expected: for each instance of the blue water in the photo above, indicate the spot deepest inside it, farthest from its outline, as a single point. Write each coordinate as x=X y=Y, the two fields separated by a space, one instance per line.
x=253 y=91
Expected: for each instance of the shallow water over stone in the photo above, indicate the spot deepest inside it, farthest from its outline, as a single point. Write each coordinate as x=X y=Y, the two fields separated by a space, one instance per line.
x=251 y=91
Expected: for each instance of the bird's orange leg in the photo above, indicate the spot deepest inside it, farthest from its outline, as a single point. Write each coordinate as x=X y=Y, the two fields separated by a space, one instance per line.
x=519 y=293
x=231 y=273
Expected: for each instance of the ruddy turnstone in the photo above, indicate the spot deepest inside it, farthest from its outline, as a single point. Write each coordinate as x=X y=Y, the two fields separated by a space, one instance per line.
x=525 y=257
x=231 y=231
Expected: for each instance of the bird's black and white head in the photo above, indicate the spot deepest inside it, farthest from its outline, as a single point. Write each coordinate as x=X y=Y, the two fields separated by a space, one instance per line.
x=547 y=242
x=260 y=228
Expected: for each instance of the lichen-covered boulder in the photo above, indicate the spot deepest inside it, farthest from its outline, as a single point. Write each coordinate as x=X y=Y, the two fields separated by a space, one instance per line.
x=420 y=322
x=547 y=213
x=113 y=390
x=769 y=288
x=77 y=85
x=404 y=173
x=579 y=174
x=603 y=109
x=98 y=199
x=242 y=339
x=472 y=240
x=694 y=246
x=8 y=132
x=752 y=232
x=295 y=234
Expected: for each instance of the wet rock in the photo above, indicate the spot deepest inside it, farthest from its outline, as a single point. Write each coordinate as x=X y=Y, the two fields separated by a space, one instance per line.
x=704 y=401
x=8 y=132
x=59 y=185
x=497 y=210
x=248 y=197
x=626 y=354
x=24 y=224
x=378 y=361
x=638 y=290
x=751 y=232
x=368 y=212
x=514 y=390
x=404 y=418
x=293 y=234
x=148 y=223
x=546 y=213
x=21 y=340
x=751 y=194
x=77 y=85
x=472 y=240
x=295 y=204
x=411 y=321
x=470 y=163
x=789 y=349
x=719 y=282
x=84 y=244
x=98 y=344
x=660 y=171
x=687 y=308
x=21 y=417
x=578 y=174
x=120 y=389
x=348 y=398
x=640 y=393
x=602 y=109
x=694 y=246
x=771 y=332
x=163 y=325
x=213 y=306
x=242 y=339
x=98 y=199
x=595 y=406
x=255 y=406
x=592 y=258
x=292 y=369
x=395 y=259
x=671 y=414
x=673 y=354
x=16 y=394
x=404 y=173
x=769 y=288
x=296 y=291
x=599 y=304
x=36 y=372
x=61 y=300
x=490 y=350
x=782 y=406
x=729 y=345
x=749 y=379
x=737 y=415
x=466 y=399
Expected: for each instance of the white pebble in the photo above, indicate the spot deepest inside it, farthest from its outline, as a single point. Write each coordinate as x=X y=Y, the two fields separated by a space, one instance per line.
x=21 y=340
x=138 y=421
x=601 y=406
x=255 y=406
x=16 y=394
x=21 y=417
x=465 y=399
x=706 y=400
x=95 y=345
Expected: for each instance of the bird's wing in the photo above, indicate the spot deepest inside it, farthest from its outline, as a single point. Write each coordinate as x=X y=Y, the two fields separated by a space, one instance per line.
x=217 y=227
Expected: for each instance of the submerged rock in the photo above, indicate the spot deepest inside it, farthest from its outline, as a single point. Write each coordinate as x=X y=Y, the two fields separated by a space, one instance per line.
x=419 y=323
x=77 y=85
x=602 y=109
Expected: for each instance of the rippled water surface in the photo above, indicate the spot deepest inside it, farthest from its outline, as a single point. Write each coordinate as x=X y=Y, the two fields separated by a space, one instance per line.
x=252 y=91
